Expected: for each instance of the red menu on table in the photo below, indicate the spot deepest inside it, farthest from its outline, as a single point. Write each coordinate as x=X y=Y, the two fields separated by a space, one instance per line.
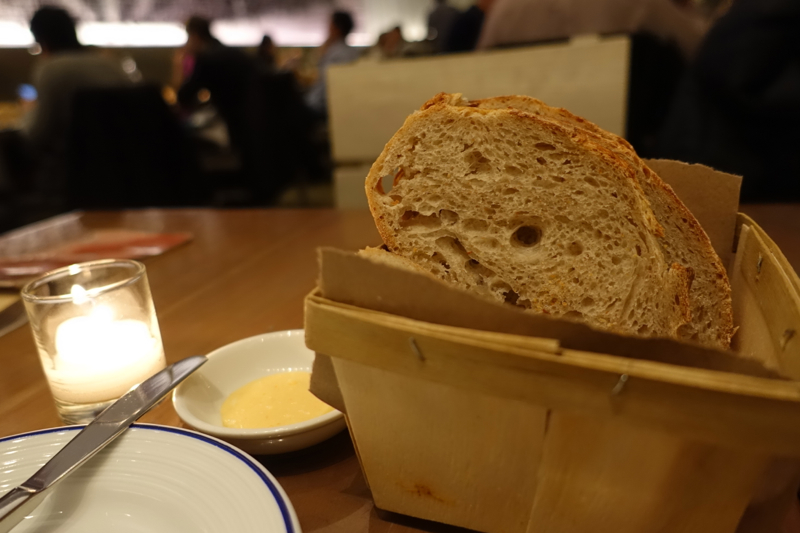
x=63 y=240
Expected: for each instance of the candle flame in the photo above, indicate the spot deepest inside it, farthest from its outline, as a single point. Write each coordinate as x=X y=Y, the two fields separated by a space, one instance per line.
x=102 y=314
x=98 y=341
x=79 y=295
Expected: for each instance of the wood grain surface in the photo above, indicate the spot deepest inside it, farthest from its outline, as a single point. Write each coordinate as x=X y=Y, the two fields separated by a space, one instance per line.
x=246 y=272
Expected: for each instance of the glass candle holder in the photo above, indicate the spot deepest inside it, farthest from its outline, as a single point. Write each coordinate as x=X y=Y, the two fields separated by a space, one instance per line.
x=96 y=331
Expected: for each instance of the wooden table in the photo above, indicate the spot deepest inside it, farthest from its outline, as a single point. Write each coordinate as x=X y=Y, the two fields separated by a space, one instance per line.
x=246 y=272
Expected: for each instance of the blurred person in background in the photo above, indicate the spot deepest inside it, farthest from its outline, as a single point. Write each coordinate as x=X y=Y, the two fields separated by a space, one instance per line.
x=738 y=107
x=663 y=36
x=440 y=22
x=268 y=60
x=517 y=22
x=376 y=51
x=266 y=55
x=392 y=45
x=334 y=50
x=467 y=27
x=205 y=69
x=293 y=154
x=208 y=72
x=66 y=67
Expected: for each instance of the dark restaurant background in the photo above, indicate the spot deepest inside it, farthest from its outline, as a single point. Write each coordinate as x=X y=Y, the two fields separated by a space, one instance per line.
x=158 y=30
x=709 y=81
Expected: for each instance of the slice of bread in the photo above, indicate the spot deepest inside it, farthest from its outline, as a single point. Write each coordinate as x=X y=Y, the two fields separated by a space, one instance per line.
x=539 y=208
x=381 y=255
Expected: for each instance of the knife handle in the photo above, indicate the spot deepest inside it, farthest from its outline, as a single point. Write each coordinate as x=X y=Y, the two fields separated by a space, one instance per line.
x=15 y=505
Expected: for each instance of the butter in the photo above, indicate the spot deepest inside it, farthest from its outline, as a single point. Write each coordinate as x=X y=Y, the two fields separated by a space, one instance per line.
x=272 y=401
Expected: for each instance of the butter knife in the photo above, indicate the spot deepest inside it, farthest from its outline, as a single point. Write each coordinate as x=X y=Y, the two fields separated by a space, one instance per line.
x=116 y=418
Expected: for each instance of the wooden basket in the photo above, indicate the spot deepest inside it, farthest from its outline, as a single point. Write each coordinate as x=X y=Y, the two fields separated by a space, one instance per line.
x=506 y=433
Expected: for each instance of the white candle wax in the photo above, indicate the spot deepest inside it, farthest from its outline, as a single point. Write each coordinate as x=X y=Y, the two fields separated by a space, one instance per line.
x=99 y=358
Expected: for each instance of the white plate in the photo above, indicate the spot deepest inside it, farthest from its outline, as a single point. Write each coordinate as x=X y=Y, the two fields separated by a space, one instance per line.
x=153 y=479
x=198 y=400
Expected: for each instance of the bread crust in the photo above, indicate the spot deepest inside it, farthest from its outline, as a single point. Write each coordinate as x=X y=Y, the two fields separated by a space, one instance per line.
x=614 y=152
x=385 y=257
x=657 y=191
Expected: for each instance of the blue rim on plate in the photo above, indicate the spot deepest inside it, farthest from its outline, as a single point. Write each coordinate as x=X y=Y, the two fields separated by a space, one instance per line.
x=250 y=462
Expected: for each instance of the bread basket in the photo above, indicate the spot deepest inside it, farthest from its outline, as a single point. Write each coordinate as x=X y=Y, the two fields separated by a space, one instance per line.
x=503 y=431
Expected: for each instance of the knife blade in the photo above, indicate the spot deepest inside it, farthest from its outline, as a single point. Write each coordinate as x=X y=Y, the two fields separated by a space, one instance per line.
x=108 y=425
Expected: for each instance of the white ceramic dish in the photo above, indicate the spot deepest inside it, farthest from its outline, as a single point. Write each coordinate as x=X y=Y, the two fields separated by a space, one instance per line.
x=198 y=399
x=152 y=478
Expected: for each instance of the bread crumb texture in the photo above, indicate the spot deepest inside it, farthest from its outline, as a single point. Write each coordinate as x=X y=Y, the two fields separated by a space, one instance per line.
x=538 y=208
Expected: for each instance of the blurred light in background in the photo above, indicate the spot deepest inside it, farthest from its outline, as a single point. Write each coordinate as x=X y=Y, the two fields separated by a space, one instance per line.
x=169 y=95
x=15 y=35
x=27 y=92
x=130 y=68
x=285 y=30
x=237 y=22
x=129 y=65
x=131 y=34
